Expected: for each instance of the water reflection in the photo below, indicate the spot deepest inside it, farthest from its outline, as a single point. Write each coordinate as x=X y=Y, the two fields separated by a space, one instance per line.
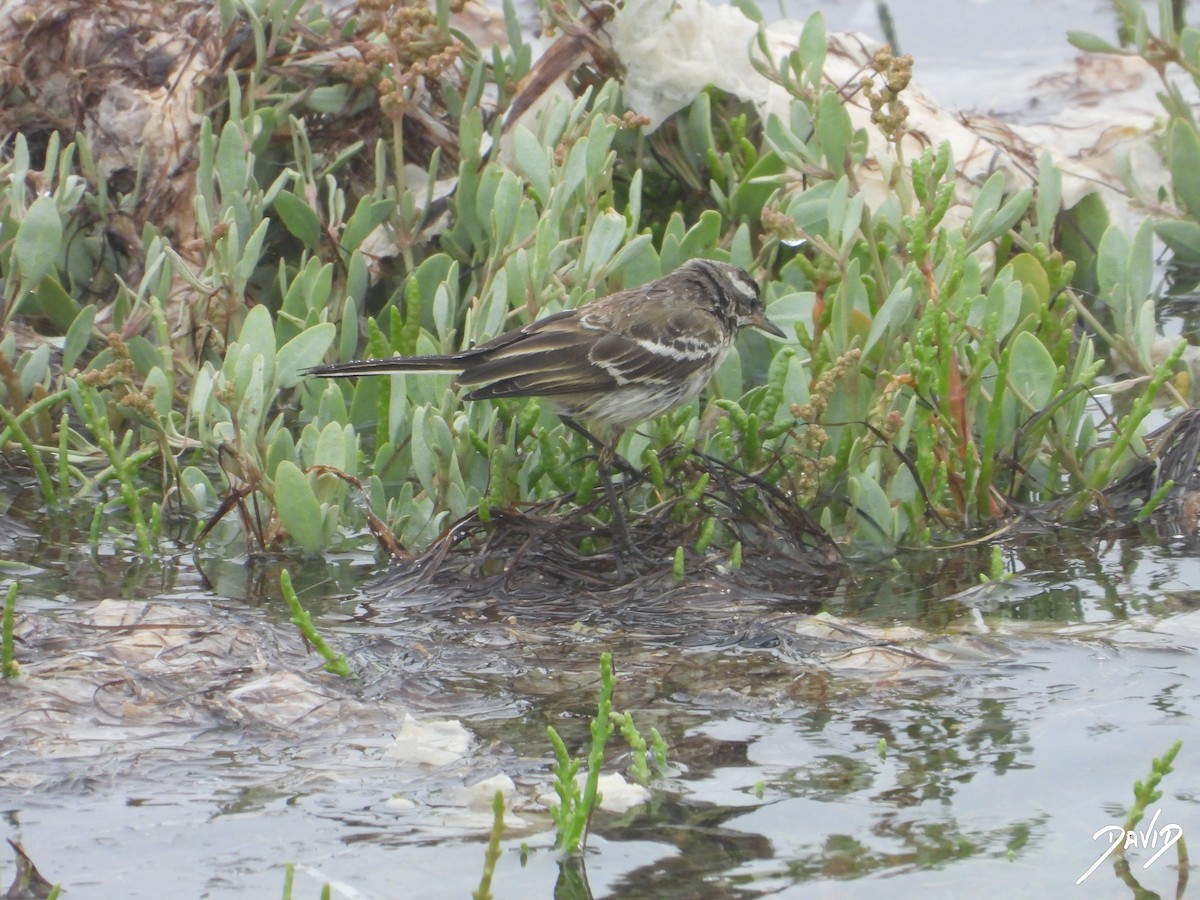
x=912 y=723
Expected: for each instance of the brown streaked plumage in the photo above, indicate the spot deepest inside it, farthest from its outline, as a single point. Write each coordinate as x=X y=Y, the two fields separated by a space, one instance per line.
x=619 y=360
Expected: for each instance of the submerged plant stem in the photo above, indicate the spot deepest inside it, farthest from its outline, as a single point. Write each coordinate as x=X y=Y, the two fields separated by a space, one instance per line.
x=8 y=665
x=15 y=430
x=334 y=662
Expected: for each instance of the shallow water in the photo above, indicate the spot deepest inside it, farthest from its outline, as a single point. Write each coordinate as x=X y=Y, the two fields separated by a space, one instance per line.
x=980 y=55
x=171 y=740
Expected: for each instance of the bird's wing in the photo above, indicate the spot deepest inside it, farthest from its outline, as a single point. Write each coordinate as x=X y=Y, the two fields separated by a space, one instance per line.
x=599 y=347
x=546 y=357
x=662 y=343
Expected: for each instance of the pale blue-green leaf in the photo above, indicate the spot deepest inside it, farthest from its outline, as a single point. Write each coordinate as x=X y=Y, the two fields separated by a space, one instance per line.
x=367 y=216
x=872 y=503
x=1144 y=333
x=784 y=141
x=358 y=279
x=729 y=382
x=331 y=447
x=852 y=219
x=253 y=393
x=795 y=387
x=605 y=236
x=812 y=48
x=505 y=204
x=332 y=515
x=38 y=241
x=895 y=311
x=350 y=443
x=142 y=353
x=247 y=264
x=1189 y=46
x=305 y=350
x=800 y=121
x=495 y=307
x=839 y=201
x=440 y=437
x=599 y=158
x=1141 y=263
x=741 y=247
x=1112 y=261
x=442 y=323
x=1085 y=356
x=576 y=166
x=281 y=447
x=33 y=367
x=1032 y=372
x=456 y=498
x=202 y=391
x=810 y=209
x=1090 y=43
x=299 y=218
x=258 y=332
x=318 y=289
x=78 y=336
x=1182 y=236
x=533 y=161
x=1049 y=198
x=198 y=491
x=295 y=299
x=1005 y=218
x=834 y=131
x=789 y=309
x=159 y=388
x=232 y=162
x=54 y=302
x=328 y=99
x=634 y=209
x=400 y=409
x=987 y=202
x=851 y=294
x=701 y=239
x=422 y=453
x=749 y=9
x=299 y=510
x=1004 y=299
x=306 y=447
x=638 y=249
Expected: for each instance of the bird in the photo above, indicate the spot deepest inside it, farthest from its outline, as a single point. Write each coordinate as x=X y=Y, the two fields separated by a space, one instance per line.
x=621 y=359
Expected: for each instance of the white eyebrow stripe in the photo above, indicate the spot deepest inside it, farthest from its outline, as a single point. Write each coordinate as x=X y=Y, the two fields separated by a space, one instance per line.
x=750 y=292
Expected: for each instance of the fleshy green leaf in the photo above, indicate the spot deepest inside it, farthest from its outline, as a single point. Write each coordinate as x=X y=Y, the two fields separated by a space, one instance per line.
x=299 y=509
x=1183 y=155
x=305 y=350
x=1032 y=372
x=78 y=336
x=299 y=218
x=1090 y=43
x=56 y=303
x=38 y=240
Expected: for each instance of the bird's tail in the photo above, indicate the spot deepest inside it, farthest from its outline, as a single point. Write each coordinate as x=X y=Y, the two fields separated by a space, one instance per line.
x=387 y=366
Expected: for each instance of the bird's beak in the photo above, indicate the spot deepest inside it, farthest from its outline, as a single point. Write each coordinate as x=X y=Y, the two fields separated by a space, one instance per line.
x=762 y=323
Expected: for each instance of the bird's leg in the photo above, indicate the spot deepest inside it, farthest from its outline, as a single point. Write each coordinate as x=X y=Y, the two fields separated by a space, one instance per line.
x=602 y=448
x=607 y=458
x=618 y=513
x=620 y=526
